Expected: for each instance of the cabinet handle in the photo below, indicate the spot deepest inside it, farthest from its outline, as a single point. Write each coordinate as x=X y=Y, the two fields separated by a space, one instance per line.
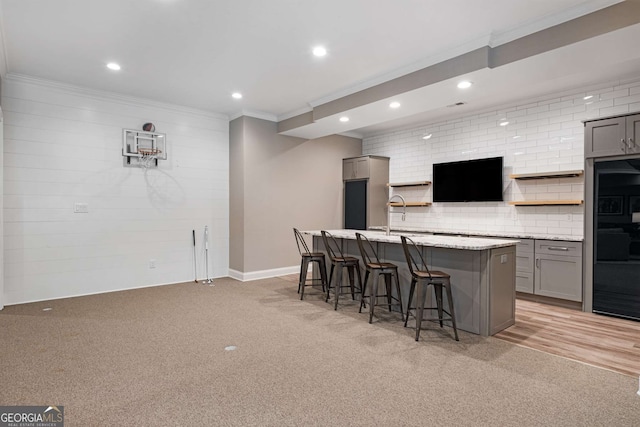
x=624 y=145
x=558 y=248
x=537 y=262
x=632 y=144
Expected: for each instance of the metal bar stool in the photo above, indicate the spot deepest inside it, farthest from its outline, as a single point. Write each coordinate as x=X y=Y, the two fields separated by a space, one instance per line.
x=352 y=264
x=423 y=277
x=309 y=257
x=373 y=266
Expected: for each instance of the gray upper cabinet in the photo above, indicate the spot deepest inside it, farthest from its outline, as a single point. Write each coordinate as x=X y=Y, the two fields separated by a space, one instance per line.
x=355 y=168
x=612 y=137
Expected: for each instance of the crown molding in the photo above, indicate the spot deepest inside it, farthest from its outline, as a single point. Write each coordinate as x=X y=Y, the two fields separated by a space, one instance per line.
x=548 y=21
x=294 y=113
x=111 y=96
x=491 y=39
x=255 y=114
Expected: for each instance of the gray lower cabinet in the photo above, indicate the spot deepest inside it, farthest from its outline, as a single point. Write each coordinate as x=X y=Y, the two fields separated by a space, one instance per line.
x=550 y=268
x=525 y=265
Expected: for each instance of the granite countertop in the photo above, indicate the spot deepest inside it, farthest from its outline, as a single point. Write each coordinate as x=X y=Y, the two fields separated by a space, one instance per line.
x=451 y=242
x=500 y=234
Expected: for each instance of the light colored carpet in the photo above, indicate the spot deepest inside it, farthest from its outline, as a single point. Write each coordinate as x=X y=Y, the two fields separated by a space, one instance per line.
x=156 y=356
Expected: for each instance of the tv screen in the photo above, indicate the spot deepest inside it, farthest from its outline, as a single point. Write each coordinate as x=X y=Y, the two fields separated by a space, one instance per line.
x=468 y=181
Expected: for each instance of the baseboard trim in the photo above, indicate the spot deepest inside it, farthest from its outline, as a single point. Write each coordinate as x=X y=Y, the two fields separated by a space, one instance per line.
x=263 y=274
x=200 y=281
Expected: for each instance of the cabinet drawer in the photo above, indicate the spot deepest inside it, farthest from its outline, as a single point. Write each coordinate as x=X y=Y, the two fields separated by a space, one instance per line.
x=524 y=262
x=558 y=247
x=524 y=282
x=525 y=246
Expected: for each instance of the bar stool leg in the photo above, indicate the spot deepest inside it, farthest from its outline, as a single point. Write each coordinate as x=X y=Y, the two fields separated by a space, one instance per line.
x=374 y=293
x=387 y=283
x=359 y=278
x=366 y=280
x=323 y=272
x=438 y=290
x=350 y=269
x=453 y=316
x=338 y=286
x=422 y=295
x=303 y=276
x=412 y=289
x=302 y=261
x=329 y=284
x=395 y=274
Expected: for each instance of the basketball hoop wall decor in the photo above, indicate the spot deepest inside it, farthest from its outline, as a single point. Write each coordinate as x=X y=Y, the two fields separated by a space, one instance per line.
x=143 y=148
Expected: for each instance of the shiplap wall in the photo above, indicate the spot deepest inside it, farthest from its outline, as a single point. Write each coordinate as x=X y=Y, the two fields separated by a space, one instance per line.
x=62 y=145
x=544 y=134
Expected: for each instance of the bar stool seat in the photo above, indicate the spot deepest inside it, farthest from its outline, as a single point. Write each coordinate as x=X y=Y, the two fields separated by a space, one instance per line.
x=422 y=277
x=375 y=268
x=308 y=257
x=339 y=260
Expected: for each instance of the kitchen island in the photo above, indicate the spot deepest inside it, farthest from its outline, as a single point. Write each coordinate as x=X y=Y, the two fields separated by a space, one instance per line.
x=482 y=272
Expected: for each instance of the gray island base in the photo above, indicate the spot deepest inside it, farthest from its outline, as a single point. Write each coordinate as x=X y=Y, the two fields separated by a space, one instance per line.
x=483 y=272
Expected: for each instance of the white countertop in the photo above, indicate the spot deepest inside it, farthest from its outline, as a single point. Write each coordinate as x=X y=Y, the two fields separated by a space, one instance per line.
x=437 y=241
x=514 y=235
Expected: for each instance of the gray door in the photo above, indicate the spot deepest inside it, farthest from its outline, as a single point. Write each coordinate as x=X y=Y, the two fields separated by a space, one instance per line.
x=605 y=137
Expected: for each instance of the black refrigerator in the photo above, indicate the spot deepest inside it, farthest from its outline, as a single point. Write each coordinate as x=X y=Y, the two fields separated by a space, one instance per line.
x=616 y=258
x=355 y=204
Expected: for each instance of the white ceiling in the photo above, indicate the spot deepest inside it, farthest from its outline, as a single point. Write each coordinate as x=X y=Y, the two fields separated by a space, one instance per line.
x=197 y=52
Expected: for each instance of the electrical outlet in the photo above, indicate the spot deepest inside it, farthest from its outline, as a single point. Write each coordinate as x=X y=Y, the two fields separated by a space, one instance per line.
x=568 y=218
x=152 y=263
x=503 y=259
x=80 y=208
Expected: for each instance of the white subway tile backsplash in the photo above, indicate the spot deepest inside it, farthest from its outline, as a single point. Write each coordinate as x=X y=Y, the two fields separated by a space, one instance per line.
x=550 y=137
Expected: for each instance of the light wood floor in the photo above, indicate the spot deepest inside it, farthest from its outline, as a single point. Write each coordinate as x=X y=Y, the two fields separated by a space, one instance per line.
x=597 y=340
x=603 y=341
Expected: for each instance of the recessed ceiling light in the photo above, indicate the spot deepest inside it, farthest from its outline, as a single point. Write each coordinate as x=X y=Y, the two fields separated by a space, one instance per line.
x=319 y=51
x=427 y=136
x=465 y=84
x=344 y=119
x=113 y=66
x=394 y=104
x=236 y=95
x=588 y=97
x=504 y=123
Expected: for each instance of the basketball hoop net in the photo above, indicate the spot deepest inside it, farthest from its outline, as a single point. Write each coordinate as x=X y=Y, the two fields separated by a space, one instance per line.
x=148 y=157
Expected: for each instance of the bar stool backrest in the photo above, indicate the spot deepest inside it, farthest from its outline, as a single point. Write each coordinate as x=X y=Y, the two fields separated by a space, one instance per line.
x=302 y=245
x=367 y=251
x=414 y=257
x=331 y=245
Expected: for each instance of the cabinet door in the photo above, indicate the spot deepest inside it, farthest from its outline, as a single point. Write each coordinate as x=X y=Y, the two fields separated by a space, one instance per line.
x=348 y=169
x=559 y=277
x=605 y=137
x=362 y=168
x=633 y=134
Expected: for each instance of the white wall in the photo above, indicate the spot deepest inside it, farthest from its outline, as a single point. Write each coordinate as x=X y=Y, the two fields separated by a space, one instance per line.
x=63 y=145
x=544 y=134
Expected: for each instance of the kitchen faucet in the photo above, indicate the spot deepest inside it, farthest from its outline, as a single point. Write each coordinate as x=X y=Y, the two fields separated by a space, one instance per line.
x=389 y=212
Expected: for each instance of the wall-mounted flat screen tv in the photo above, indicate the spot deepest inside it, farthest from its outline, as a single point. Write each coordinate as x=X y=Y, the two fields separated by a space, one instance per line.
x=468 y=181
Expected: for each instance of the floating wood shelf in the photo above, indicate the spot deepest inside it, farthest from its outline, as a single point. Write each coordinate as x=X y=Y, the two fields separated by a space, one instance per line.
x=546 y=175
x=408 y=184
x=546 y=202
x=409 y=204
